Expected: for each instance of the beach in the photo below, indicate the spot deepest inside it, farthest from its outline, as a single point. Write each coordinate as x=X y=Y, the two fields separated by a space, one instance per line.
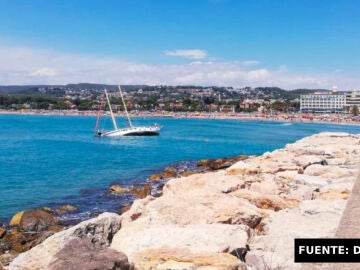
x=333 y=118
x=243 y=217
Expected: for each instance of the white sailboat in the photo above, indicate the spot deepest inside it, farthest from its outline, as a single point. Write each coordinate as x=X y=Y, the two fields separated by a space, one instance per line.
x=131 y=130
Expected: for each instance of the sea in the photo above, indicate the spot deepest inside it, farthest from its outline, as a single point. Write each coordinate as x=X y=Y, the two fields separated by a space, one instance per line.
x=55 y=160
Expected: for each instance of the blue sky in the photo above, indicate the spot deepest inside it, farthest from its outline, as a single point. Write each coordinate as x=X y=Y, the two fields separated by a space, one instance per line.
x=287 y=43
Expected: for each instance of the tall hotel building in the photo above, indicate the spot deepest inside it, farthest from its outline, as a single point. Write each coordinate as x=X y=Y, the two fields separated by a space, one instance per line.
x=323 y=103
x=352 y=99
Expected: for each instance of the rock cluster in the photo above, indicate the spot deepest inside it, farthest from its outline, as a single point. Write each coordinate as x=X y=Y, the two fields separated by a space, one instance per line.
x=63 y=249
x=256 y=207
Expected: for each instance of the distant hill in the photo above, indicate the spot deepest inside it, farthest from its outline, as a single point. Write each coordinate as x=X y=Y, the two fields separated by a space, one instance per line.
x=277 y=92
x=78 y=86
x=20 y=88
x=157 y=92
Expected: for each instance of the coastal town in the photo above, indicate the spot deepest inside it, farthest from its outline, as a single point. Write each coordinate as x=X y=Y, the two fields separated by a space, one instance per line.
x=262 y=103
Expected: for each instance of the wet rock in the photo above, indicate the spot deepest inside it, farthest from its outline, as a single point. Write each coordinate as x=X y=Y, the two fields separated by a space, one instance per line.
x=15 y=220
x=16 y=241
x=47 y=209
x=99 y=231
x=169 y=172
x=82 y=254
x=36 y=221
x=118 y=189
x=2 y=232
x=203 y=163
x=65 y=209
x=33 y=220
x=141 y=192
x=156 y=177
x=221 y=163
x=177 y=258
x=187 y=173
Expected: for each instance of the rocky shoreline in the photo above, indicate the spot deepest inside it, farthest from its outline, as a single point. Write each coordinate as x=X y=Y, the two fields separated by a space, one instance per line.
x=240 y=216
x=29 y=228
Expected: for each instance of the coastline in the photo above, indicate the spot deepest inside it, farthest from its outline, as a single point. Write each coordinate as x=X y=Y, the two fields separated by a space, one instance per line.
x=336 y=119
x=263 y=202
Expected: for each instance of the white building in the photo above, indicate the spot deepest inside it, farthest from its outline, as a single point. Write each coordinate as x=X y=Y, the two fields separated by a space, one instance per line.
x=352 y=99
x=323 y=103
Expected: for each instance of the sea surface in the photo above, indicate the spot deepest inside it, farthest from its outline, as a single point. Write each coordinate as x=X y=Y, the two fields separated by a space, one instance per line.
x=53 y=160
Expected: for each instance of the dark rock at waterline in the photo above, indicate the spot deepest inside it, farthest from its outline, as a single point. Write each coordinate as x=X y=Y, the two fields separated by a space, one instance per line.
x=187 y=173
x=65 y=209
x=156 y=177
x=219 y=164
x=118 y=189
x=169 y=172
x=36 y=221
x=141 y=192
x=16 y=241
x=82 y=254
x=2 y=232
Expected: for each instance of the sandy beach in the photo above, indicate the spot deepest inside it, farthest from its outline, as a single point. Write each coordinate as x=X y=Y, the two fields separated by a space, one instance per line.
x=347 y=119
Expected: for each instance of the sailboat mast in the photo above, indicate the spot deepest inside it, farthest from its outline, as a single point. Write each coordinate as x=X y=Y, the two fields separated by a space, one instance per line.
x=111 y=112
x=99 y=114
x=126 y=112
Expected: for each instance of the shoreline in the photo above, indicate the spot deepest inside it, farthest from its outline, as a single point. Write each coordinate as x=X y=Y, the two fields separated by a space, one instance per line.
x=114 y=189
x=336 y=119
x=265 y=201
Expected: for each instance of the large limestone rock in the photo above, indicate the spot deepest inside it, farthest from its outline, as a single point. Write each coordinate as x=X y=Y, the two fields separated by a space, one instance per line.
x=82 y=254
x=197 y=238
x=99 y=231
x=274 y=248
x=179 y=259
x=197 y=199
x=266 y=201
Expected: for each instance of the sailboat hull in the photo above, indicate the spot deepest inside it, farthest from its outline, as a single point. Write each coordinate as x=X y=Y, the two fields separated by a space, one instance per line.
x=132 y=131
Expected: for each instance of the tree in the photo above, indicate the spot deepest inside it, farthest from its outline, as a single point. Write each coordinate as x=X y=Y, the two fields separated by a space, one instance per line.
x=355 y=110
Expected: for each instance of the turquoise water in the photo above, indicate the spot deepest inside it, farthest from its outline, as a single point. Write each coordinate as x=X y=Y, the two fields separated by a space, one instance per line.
x=51 y=160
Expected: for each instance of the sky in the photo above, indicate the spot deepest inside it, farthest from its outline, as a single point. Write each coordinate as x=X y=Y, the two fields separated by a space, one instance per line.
x=285 y=43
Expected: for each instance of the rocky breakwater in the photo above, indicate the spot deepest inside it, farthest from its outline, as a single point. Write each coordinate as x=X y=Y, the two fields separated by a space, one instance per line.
x=242 y=217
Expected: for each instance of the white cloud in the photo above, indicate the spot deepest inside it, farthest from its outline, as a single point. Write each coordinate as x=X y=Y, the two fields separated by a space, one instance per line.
x=191 y=54
x=47 y=72
x=31 y=66
x=250 y=63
